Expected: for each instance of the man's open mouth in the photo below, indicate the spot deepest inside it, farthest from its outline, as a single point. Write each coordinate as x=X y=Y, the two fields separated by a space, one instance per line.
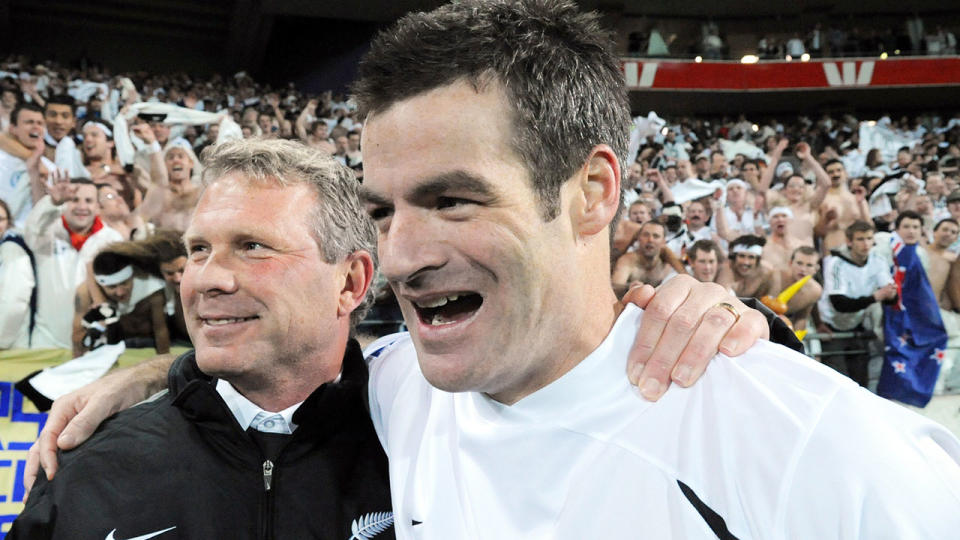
x=448 y=309
x=226 y=321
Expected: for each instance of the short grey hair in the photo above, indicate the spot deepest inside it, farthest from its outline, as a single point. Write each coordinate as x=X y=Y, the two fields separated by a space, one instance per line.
x=340 y=224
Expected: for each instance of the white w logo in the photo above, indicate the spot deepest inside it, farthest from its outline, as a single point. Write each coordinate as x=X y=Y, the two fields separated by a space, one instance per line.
x=639 y=77
x=850 y=76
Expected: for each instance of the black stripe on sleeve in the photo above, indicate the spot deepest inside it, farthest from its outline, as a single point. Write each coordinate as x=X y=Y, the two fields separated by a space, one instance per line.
x=713 y=519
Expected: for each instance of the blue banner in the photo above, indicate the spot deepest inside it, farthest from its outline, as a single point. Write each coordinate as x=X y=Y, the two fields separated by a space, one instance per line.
x=913 y=333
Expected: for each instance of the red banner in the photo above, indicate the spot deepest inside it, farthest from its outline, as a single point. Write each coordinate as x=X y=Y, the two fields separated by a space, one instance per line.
x=831 y=74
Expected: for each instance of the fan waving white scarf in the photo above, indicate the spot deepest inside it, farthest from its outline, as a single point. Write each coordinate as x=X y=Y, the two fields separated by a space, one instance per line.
x=229 y=130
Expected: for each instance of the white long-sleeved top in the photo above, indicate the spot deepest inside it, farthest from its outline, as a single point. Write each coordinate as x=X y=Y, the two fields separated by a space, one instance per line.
x=60 y=269
x=773 y=443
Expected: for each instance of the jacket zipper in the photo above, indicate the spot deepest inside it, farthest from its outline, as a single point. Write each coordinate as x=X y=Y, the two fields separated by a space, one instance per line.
x=267 y=475
x=268 y=532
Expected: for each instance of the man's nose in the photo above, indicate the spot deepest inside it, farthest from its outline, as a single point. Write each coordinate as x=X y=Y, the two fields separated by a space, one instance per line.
x=409 y=246
x=216 y=275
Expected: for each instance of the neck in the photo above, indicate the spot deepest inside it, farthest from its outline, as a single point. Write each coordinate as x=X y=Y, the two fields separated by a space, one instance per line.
x=120 y=223
x=288 y=387
x=649 y=262
x=589 y=334
x=179 y=186
x=565 y=341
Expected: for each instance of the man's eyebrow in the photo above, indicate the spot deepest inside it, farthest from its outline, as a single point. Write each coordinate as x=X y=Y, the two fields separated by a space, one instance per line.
x=368 y=196
x=459 y=181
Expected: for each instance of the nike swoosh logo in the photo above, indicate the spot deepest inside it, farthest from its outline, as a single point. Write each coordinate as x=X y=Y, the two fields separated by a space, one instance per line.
x=141 y=537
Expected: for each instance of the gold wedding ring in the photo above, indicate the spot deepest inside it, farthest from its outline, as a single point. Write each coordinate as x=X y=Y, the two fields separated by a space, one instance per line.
x=729 y=307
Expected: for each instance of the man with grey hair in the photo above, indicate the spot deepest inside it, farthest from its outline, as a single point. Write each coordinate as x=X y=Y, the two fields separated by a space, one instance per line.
x=264 y=429
x=493 y=174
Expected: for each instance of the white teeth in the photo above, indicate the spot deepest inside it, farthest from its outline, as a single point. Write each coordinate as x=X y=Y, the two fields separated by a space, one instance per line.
x=442 y=301
x=439 y=320
x=220 y=322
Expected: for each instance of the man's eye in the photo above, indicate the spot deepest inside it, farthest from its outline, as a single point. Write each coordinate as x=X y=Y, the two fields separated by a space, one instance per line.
x=252 y=246
x=452 y=202
x=196 y=249
x=378 y=213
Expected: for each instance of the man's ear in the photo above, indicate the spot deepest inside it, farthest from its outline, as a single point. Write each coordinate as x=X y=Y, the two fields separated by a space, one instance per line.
x=356 y=281
x=599 y=191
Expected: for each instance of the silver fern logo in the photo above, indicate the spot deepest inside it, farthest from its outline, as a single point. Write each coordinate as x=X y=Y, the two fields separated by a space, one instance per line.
x=370 y=525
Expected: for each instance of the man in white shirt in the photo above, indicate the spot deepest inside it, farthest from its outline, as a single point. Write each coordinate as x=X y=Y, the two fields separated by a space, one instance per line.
x=27 y=129
x=511 y=424
x=853 y=279
x=65 y=232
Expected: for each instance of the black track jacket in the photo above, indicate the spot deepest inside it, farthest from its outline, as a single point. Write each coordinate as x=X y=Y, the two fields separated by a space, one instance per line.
x=180 y=467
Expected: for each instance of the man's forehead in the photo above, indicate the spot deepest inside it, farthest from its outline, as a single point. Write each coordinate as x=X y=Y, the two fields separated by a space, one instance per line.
x=26 y=115
x=86 y=190
x=910 y=221
x=59 y=108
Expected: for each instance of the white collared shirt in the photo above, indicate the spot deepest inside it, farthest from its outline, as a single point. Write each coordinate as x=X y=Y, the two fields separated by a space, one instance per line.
x=246 y=411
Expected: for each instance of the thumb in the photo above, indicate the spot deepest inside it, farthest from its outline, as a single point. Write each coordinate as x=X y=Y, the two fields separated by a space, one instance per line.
x=639 y=295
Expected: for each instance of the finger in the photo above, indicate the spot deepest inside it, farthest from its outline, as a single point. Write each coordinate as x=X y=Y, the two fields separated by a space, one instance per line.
x=47 y=443
x=657 y=312
x=715 y=324
x=677 y=335
x=31 y=469
x=82 y=426
x=751 y=327
x=639 y=294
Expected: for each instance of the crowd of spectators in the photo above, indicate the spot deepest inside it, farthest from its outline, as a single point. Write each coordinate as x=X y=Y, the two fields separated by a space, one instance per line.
x=759 y=206
x=834 y=39
x=753 y=205
x=99 y=174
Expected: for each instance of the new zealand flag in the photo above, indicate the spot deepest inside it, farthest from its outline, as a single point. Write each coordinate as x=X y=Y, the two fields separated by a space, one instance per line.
x=914 y=333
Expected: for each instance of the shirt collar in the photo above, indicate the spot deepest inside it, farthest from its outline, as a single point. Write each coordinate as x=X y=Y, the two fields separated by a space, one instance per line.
x=245 y=410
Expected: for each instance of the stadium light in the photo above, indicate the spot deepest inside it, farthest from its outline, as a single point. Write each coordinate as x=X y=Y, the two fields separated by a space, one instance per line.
x=788 y=58
x=896 y=51
x=883 y=56
x=755 y=128
x=804 y=57
x=698 y=59
x=664 y=130
x=749 y=59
